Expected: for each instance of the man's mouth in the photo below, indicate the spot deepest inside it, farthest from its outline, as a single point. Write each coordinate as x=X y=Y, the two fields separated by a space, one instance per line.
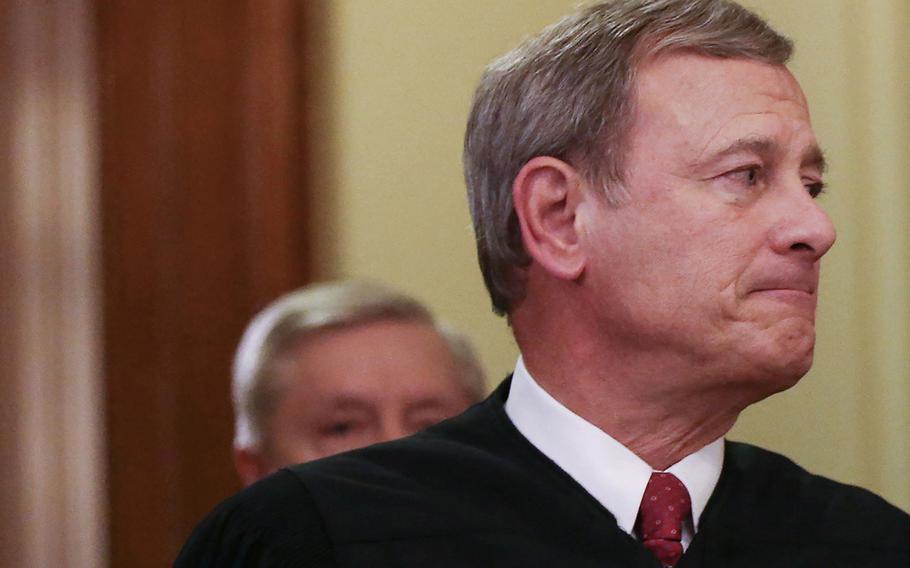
x=806 y=285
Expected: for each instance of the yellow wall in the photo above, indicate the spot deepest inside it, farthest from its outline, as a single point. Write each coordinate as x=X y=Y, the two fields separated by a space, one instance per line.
x=399 y=85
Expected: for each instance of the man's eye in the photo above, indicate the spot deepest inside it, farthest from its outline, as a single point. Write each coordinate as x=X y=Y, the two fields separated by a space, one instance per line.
x=815 y=188
x=418 y=423
x=749 y=175
x=339 y=429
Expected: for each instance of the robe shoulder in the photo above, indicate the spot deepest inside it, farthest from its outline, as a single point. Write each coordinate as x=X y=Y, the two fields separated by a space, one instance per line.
x=765 y=500
x=274 y=523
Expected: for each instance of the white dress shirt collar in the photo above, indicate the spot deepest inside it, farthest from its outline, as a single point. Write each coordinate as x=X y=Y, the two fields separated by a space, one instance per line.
x=609 y=471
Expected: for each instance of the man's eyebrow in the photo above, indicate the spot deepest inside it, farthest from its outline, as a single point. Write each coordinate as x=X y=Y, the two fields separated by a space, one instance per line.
x=814 y=157
x=347 y=402
x=430 y=402
x=750 y=145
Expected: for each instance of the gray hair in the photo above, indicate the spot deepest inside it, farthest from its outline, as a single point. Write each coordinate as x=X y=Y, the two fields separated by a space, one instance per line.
x=314 y=309
x=568 y=93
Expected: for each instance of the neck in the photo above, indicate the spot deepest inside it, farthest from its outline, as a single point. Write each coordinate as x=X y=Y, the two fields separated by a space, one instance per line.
x=658 y=434
x=656 y=404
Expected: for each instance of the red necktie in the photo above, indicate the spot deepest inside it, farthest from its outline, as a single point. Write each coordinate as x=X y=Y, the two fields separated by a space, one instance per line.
x=664 y=508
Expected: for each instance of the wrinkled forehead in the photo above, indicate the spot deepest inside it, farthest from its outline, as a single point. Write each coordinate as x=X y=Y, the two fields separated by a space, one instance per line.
x=705 y=100
x=663 y=79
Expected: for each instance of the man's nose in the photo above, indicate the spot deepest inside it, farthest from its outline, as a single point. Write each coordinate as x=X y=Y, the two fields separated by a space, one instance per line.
x=394 y=428
x=804 y=228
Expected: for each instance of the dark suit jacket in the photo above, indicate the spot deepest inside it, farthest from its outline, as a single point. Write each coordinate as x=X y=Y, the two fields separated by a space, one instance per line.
x=473 y=492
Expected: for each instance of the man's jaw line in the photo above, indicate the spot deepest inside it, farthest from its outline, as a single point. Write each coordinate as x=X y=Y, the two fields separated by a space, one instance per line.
x=665 y=426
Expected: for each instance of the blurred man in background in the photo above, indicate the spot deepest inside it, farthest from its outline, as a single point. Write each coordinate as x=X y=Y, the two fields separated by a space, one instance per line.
x=341 y=365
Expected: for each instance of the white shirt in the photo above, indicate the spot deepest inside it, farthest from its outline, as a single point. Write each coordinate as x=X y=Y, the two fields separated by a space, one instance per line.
x=609 y=471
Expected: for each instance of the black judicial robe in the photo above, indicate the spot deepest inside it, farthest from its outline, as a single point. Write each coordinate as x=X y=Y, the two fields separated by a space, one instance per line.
x=472 y=492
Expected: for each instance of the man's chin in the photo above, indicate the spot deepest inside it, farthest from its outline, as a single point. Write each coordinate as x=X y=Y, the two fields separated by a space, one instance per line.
x=790 y=346
x=789 y=375
x=779 y=363
x=783 y=373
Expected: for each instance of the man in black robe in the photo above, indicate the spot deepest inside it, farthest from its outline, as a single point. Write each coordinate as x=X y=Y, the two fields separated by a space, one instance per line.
x=643 y=179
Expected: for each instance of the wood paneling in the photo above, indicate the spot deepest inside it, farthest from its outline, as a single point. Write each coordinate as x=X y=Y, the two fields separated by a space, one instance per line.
x=10 y=360
x=52 y=494
x=204 y=221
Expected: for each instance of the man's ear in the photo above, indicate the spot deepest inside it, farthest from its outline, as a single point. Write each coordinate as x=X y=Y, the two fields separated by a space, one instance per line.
x=545 y=194
x=251 y=465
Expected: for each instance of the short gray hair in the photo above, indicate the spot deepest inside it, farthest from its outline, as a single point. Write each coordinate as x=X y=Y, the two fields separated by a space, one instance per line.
x=317 y=308
x=568 y=93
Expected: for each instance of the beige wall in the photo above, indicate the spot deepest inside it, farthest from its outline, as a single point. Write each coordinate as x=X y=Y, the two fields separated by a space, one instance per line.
x=402 y=75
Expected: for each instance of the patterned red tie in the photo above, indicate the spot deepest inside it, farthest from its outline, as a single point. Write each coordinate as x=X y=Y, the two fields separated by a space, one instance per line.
x=664 y=508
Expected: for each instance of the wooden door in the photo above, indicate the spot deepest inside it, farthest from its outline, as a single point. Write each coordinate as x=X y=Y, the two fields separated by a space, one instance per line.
x=204 y=214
